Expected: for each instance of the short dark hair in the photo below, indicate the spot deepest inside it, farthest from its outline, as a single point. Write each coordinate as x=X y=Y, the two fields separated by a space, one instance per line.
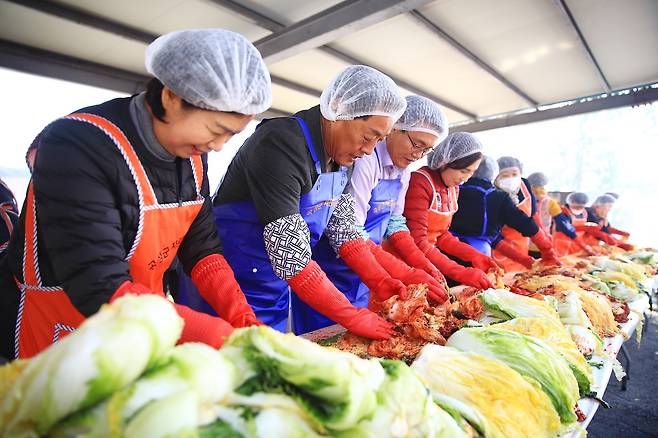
x=154 y=98
x=466 y=161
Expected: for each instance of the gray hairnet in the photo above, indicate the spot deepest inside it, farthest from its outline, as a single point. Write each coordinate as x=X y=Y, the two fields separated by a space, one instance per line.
x=508 y=163
x=359 y=91
x=213 y=69
x=488 y=169
x=613 y=194
x=577 y=198
x=424 y=115
x=537 y=179
x=604 y=199
x=455 y=146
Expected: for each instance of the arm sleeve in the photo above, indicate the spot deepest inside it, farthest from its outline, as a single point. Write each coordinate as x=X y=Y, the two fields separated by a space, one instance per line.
x=288 y=245
x=364 y=178
x=80 y=225
x=399 y=204
x=201 y=239
x=564 y=225
x=417 y=202
x=515 y=218
x=341 y=227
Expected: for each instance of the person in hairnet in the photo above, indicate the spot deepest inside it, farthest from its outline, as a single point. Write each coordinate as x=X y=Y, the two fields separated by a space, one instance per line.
x=485 y=210
x=577 y=223
x=121 y=189
x=518 y=189
x=285 y=190
x=431 y=202
x=378 y=185
x=598 y=213
x=549 y=215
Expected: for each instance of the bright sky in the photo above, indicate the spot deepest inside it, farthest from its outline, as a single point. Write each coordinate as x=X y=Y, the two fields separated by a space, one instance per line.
x=614 y=150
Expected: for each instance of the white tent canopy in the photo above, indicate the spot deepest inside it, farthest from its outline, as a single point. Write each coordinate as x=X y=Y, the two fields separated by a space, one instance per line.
x=489 y=63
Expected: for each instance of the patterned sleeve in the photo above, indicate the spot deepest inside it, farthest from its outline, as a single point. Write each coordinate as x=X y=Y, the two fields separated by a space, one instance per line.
x=342 y=223
x=288 y=245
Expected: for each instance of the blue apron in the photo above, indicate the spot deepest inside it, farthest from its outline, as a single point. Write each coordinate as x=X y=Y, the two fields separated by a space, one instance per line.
x=381 y=204
x=241 y=233
x=481 y=242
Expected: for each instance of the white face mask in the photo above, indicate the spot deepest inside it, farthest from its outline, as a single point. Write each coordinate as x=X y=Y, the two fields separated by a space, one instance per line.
x=577 y=211
x=510 y=184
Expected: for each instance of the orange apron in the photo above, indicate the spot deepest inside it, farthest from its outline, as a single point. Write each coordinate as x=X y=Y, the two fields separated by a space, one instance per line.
x=45 y=313
x=565 y=245
x=514 y=238
x=439 y=215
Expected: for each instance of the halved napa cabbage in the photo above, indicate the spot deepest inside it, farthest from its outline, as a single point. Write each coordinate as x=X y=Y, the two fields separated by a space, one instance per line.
x=109 y=351
x=496 y=400
x=336 y=389
x=530 y=357
x=557 y=336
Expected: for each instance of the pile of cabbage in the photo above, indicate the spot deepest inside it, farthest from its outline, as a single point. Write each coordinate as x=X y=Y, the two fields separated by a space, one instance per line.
x=625 y=277
x=122 y=374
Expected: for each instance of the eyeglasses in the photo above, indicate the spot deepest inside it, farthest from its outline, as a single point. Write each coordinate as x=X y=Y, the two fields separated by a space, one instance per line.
x=423 y=151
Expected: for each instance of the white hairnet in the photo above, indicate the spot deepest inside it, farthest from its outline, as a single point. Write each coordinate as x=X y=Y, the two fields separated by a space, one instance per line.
x=509 y=163
x=360 y=91
x=604 y=199
x=455 y=146
x=424 y=115
x=537 y=179
x=213 y=69
x=487 y=170
x=577 y=198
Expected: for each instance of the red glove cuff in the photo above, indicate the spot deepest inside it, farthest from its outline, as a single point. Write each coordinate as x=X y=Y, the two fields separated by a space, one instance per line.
x=217 y=285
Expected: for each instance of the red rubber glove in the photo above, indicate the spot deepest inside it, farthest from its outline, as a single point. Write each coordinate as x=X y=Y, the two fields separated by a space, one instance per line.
x=625 y=246
x=512 y=252
x=450 y=244
x=214 y=278
x=314 y=288
x=548 y=254
x=398 y=269
x=199 y=326
x=595 y=231
x=407 y=249
x=468 y=276
x=128 y=287
x=618 y=232
x=584 y=246
x=357 y=255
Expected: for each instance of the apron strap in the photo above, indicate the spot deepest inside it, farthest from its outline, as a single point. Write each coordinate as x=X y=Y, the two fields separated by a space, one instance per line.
x=144 y=189
x=434 y=204
x=197 y=172
x=309 y=143
x=31 y=274
x=146 y=196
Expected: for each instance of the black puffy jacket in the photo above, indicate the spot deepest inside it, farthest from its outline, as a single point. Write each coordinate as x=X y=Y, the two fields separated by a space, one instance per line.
x=87 y=211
